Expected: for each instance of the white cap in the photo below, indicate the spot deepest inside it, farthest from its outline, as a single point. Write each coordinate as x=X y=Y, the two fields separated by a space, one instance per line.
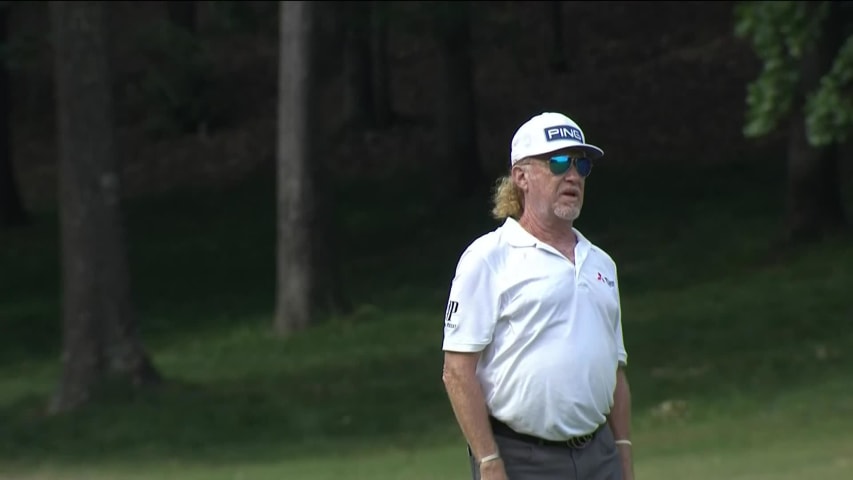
x=549 y=132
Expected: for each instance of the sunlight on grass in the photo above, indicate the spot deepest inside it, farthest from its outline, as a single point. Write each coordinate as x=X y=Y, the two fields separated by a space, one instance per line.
x=752 y=449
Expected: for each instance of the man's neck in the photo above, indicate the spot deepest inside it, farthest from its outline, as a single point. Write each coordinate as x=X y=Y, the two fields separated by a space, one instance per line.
x=557 y=233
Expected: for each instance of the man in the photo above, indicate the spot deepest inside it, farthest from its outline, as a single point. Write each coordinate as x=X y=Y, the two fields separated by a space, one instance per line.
x=534 y=355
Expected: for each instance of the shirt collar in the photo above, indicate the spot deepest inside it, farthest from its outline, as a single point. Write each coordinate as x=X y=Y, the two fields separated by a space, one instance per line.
x=517 y=236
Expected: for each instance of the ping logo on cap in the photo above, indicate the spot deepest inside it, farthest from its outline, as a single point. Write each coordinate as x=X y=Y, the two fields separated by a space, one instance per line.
x=563 y=132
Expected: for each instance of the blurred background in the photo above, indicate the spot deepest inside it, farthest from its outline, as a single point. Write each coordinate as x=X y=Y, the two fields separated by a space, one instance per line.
x=228 y=229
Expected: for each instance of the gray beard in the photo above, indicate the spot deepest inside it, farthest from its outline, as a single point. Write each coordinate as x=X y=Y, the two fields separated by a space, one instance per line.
x=567 y=213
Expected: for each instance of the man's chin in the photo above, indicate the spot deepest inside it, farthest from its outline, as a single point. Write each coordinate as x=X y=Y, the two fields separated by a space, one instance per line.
x=567 y=214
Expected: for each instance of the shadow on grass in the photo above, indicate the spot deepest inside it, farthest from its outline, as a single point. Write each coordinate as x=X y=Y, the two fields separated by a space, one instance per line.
x=273 y=415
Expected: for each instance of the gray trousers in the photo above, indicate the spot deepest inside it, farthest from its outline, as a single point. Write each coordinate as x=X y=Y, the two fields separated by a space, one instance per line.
x=597 y=460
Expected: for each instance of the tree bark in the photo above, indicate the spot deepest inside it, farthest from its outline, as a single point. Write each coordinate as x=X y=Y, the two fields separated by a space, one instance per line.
x=457 y=118
x=124 y=350
x=12 y=212
x=295 y=275
x=367 y=96
x=99 y=329
x=328 y=289
x=815 y=204
x=75 y=32
x=358 y=88
x=383 y=112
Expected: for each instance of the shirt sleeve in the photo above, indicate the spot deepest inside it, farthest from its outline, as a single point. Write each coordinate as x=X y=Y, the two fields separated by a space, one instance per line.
x=472 y=306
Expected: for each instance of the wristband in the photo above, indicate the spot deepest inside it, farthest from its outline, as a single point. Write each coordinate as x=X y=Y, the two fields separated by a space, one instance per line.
x=623 y=442
x=489 y=458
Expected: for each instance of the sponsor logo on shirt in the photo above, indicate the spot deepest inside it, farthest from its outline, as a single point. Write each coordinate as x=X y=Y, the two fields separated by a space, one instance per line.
x=452 y=308
x=601 y=278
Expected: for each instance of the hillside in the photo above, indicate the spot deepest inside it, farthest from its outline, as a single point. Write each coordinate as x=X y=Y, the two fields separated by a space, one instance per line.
x=651 y=82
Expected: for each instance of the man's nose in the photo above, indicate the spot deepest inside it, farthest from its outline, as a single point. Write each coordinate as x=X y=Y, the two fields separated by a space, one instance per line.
x=572 y=175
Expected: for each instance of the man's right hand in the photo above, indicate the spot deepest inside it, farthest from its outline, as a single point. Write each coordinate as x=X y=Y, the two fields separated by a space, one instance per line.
x=493 y=470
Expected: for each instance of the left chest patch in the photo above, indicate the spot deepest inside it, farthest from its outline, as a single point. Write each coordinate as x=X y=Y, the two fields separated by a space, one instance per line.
x=600 y=277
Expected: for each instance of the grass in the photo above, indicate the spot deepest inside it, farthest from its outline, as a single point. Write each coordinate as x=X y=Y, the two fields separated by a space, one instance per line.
x=739 y=360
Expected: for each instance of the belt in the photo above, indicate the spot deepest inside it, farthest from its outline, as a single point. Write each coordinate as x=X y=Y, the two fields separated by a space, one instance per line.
x=504 y=430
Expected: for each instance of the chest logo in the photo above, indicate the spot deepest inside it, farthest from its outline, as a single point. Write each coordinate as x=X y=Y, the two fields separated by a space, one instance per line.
x=601 y=278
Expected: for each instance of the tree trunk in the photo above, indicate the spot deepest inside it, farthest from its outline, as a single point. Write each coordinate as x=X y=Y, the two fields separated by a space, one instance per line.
x=815 y=204
x=383 y=112
x=457 y=118
x=125 y=353
x=367 y=90
x=12 y=212
x=79 y=86
x=328 y=292
x=295 y=180
x=124 y=350
x=358 y=87
x=98 y=324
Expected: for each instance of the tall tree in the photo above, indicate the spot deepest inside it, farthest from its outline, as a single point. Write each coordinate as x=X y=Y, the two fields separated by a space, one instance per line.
x=12 y=212
x=814 y=203
x=295 y=189
x=328 y=292
x=99 y=327
x=308 y=271
x=807 y=52
x=382 y=106
x=367 y=96
x=358 y=87
x=457 y=107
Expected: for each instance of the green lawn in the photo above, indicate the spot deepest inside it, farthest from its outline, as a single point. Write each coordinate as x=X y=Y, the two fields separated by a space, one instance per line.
x=739 y=359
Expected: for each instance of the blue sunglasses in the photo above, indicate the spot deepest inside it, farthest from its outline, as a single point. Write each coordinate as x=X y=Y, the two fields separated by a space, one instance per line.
x=560 y=164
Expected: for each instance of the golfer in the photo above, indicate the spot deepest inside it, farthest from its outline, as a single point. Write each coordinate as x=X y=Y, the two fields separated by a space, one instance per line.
x=534 y=362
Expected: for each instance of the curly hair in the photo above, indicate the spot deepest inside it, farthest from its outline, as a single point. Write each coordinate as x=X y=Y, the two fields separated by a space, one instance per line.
x=508 y=199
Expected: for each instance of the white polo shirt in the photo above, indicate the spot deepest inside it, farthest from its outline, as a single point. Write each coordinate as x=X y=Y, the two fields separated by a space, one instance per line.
x=550 y=331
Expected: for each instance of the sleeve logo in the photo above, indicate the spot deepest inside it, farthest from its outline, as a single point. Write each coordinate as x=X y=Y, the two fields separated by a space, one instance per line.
x=452 y=308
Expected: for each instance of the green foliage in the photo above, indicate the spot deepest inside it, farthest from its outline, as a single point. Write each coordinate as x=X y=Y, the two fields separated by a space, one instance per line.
x=780 y=34
x=831 y=106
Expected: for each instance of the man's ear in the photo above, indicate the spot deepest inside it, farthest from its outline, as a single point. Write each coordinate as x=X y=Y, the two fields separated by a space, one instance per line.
x=521 y=177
